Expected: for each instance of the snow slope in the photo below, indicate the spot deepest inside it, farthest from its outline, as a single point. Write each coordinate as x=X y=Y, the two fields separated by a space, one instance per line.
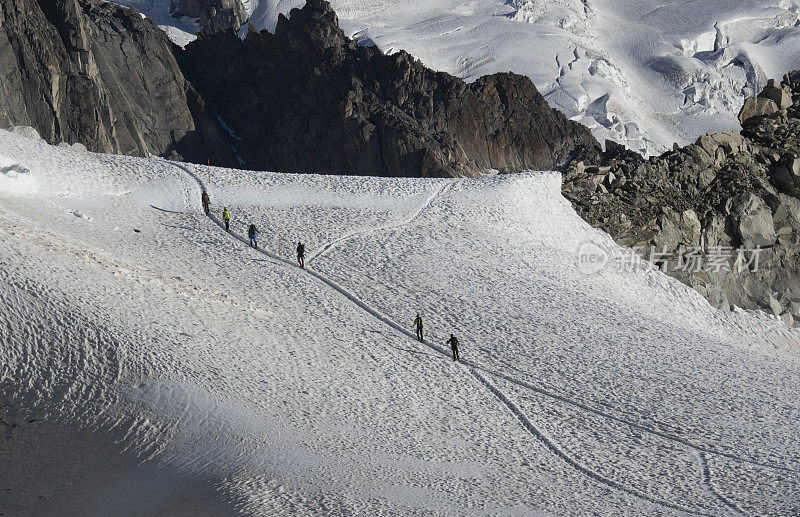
x=152 y=364
x=644 y=72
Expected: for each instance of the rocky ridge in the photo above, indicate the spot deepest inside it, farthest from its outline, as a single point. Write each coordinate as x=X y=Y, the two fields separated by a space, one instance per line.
x=722 y=215
x=212 y=15
x=305 y=99
x=308 y=99
x=67 y=71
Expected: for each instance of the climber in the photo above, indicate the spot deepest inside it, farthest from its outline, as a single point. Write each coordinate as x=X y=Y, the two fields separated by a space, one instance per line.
x=418 y=326
x=206 y=203
x=252 y=232
x=453 y=342
x=226 y=217
x=301 y=253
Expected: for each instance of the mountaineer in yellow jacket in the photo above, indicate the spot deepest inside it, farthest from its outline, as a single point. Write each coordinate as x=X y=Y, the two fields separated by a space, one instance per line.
x=418 y=326
x=226 y=217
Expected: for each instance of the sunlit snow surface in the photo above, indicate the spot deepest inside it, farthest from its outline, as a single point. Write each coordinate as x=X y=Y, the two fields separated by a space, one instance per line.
x=639 y=71
x=644 y=72
x=174 y=370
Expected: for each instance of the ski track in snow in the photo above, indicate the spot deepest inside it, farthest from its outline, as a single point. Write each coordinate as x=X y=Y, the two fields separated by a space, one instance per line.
x=710 y=487
x=503 y=398
x=640 y=427
x=572 y=462
x=349 y=235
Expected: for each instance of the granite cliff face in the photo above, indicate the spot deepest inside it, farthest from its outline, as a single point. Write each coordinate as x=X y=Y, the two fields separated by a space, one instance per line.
x=695 y=208
x=307 y=99
x=98 y=74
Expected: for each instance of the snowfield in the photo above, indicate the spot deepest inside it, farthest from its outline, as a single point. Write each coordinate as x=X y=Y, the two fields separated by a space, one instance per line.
x=152 y=364
x=646 y=73
x=643 y=72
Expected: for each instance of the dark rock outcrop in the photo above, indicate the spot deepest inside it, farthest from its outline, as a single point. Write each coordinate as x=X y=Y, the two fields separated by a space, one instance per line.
x=99 y=74
x=692 y=210
x=307 y=99
x=212 y=15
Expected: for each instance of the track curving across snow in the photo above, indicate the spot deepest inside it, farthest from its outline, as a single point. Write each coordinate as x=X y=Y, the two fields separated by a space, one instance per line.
x=640 y=427
x=475 y=370
x=710 y=487
x=428 y=202
x=509 y=378
x=572 y=462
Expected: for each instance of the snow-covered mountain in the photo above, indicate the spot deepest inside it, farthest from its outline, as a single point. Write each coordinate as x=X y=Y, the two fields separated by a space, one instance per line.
x=646 y=73
x=153 y=364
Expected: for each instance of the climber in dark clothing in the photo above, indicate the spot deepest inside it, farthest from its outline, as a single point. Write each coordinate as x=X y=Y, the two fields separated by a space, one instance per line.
x=252 y=232
x=301 y=253
x=453 y=342
x=418 y=326
x=206 y=203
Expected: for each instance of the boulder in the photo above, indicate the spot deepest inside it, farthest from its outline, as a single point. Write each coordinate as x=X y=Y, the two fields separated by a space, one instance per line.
x=785 y=180
x=676 y=229
x=714 y=231
x=708 y=144
x=786 y=175
x=753 y=221
x=705 y=177
x=75 y=147
x=26 y=131
x=794 y=309
x=700 y=156
x=730 y=142
x=787 y=213
x=779 y=95
x=775 y=306
x=756 y=109
x=591 y=184
x=596 y=169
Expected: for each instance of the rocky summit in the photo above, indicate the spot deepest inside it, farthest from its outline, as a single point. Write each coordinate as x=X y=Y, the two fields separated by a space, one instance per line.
x=308 y=99
x=722 y=215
